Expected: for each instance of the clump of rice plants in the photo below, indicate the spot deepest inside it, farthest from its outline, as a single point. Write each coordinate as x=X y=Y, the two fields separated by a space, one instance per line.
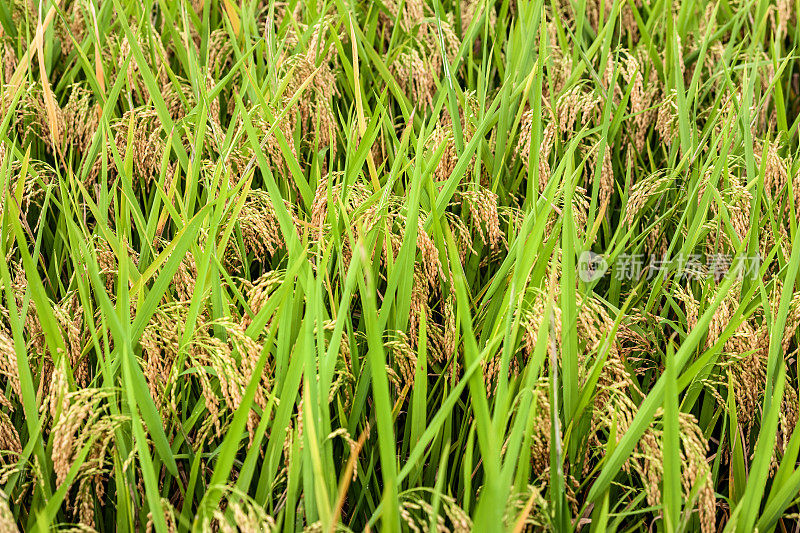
x=404 y=265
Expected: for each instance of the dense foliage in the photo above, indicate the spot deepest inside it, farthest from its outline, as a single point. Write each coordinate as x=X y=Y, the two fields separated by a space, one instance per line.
x=427 y=265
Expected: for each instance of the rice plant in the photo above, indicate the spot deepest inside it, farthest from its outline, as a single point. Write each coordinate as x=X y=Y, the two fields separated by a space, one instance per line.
x=403 y=265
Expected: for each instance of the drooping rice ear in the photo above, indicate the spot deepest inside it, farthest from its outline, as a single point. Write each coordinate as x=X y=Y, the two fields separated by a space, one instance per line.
x=667 y=118
x=540 y=441
x=548 y=142
x=74 y=28
x=44 y=114
x=413 y=13
x=575 y=100
x=261 y=231
x=415 y=74
x=7 y=521
x=169 y=517
x=404 y=359
x=418 y=514
x=788 y=418
x=313 y=113
x=638 y=101
x=696 y=471
x=236 y=512
x=249 y=352
x=220 y=52
x=606 y=174
x=420 y=293
x=431 y=264
x=691 y=305
x=523 y=147
x=77 y=408
x=723 y=314
x=641 y=192
x=69 y=314
x=738 y=199
x=8 y=59
x=482 y=205
x=9 y=437
x=153 y=51
x=80 y=119
x=148 y=142
x=775 y=168
x=8 y=363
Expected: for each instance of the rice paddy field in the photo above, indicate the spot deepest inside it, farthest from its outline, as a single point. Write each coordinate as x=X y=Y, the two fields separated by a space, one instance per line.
x=403 y=265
